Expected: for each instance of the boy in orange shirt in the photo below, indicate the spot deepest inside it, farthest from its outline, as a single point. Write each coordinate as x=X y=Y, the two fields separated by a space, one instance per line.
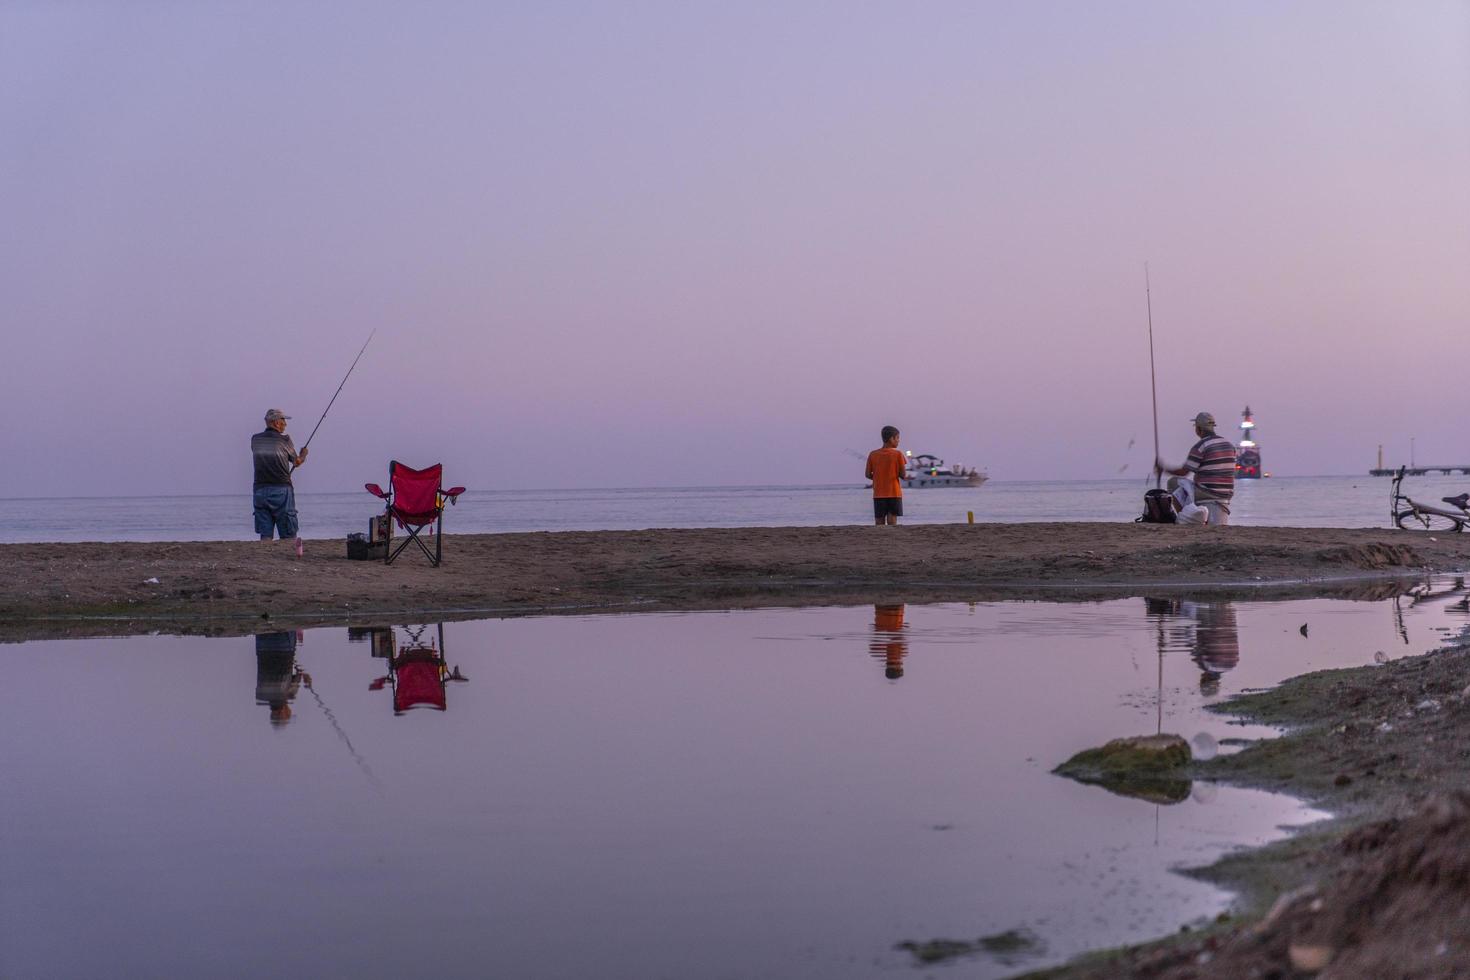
x=886 y=467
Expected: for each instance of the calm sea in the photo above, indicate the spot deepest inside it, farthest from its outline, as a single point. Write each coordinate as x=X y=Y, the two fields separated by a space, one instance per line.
x=1322 y=501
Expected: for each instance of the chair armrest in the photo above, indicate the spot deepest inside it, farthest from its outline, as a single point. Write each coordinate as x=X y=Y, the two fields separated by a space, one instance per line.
x=375 y=490
x=454 y=491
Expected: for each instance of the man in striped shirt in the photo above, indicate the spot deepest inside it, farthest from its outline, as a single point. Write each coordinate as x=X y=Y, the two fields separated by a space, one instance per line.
x=1210 y=467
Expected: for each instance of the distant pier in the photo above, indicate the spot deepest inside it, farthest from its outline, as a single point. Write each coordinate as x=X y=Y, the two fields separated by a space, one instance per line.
x=1422 y=470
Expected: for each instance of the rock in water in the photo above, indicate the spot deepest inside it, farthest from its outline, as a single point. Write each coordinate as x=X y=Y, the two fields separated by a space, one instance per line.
x=1139 y=753
x=1145 y=766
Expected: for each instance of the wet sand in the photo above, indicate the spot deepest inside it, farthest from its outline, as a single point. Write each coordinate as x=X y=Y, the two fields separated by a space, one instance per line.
x=113 y=588
x=1383 y=890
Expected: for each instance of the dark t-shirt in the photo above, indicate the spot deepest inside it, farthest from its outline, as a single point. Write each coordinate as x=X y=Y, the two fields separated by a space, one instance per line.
x=272 y=452
x=276 y=680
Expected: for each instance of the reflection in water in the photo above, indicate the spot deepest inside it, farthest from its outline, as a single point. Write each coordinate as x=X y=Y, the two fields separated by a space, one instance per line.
x=417 y=673
x=278 y=679
x=1216 y=642
x=889 y=644
x=643 y=776
x=1426 y=593
x=1139 y=767
x=1207 y=630
x=277 y=676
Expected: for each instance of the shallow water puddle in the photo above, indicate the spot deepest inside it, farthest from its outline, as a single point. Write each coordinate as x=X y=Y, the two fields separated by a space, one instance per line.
x=760 y=793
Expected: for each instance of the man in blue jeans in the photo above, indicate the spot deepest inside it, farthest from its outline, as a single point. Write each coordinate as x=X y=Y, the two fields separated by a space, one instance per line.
x=275 y=457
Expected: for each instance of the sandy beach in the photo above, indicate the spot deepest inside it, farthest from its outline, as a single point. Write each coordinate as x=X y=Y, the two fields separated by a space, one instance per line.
x=116 y=588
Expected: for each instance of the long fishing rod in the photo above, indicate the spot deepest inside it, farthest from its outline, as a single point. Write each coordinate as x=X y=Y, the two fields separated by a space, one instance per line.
x=344 y=382
x=1152 y=382
x=351 y=749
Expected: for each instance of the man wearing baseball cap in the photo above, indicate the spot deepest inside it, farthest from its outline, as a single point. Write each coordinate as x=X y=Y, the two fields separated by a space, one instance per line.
x=1210 y=468
x=275 y=457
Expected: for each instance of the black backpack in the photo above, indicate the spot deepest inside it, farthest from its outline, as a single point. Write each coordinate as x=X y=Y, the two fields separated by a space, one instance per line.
x=1158 y=508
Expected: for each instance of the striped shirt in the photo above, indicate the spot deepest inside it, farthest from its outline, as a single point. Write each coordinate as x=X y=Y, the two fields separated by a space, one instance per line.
x=1211 y=464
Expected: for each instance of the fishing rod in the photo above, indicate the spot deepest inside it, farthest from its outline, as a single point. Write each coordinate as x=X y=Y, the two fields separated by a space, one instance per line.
x=1152 y=382
x=344 y=382
x=351 y=749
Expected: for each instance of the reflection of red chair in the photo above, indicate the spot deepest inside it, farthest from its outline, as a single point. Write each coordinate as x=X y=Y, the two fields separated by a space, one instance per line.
x=418 y=681
x=416 y=501
x=417 y=673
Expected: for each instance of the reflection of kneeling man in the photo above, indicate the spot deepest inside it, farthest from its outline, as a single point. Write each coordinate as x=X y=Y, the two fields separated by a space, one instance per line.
x=277 y=678
x=1216 y=642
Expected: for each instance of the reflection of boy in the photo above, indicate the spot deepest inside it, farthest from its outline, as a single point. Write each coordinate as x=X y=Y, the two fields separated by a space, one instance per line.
x=888 y=643
x=886 y=467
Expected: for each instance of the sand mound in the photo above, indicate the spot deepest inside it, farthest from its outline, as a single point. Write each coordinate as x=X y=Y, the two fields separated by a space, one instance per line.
x=1400 y=908
x=1371 y=556
x=1405 y=912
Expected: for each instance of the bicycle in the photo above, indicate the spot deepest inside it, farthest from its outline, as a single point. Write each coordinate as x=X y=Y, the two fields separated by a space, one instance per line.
x=1426 y=517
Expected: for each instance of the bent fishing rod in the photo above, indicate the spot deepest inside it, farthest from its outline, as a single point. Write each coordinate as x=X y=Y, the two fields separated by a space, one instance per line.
x=362 y=764
x=354 y=365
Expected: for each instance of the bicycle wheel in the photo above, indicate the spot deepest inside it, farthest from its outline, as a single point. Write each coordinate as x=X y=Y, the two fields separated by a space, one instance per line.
x=1418 y=520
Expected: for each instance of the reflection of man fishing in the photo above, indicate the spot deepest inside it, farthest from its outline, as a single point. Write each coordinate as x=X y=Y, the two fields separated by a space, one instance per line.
x=277 y=676
x=1216 y=642
x=1209 y=630
x=889 y=643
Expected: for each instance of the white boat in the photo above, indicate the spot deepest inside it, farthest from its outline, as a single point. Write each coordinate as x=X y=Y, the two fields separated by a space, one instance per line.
x=925 y=470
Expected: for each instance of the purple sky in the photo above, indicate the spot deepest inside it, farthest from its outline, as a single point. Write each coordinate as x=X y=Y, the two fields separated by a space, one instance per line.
x=697 y=243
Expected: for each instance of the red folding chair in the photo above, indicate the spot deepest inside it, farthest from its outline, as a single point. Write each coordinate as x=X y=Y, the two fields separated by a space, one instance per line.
x=416 y=501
